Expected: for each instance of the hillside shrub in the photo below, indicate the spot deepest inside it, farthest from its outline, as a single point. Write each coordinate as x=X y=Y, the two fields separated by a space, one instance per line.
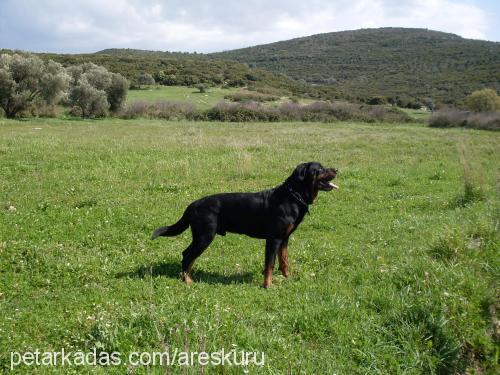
x=258 y=112
x=377 y=100
x=448 y=118
x=170 y=110
x=244 y=112
x=317 y=111
x=485 y=100
x=143 y=79
x=135 y=109
x=250 y=96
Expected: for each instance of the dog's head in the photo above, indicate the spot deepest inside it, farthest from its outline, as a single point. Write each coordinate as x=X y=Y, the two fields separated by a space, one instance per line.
x=309 y=178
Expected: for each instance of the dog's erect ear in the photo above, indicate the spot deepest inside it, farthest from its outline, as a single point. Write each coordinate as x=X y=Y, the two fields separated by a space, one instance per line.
x=299 y=174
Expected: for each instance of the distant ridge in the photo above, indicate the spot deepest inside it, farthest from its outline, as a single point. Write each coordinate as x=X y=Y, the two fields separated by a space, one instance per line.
x=386 y=61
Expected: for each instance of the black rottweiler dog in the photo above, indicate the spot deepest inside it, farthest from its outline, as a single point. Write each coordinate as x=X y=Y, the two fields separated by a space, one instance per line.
x=272 y=215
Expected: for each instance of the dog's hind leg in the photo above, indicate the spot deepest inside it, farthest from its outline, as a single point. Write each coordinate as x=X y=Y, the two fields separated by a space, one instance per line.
x=203 y=235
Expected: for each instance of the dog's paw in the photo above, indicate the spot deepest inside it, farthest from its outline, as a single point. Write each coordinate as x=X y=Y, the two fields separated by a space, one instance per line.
x=186 y=277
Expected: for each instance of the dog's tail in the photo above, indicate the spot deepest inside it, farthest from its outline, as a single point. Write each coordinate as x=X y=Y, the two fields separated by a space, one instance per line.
x=173 y=230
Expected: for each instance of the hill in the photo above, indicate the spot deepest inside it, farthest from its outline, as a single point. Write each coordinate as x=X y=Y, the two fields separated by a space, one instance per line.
x=393 y=62
x=404 y=65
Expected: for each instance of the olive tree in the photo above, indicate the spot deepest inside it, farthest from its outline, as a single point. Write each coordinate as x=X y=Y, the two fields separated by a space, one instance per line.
x=95 y=90
x=117 y=91
x=26 y=80
x=90 y=101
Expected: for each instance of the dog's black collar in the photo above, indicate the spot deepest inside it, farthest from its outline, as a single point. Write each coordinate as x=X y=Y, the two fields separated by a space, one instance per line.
x=298 y=197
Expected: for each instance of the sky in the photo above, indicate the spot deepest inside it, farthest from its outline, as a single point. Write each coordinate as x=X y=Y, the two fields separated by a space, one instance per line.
x=74 y=26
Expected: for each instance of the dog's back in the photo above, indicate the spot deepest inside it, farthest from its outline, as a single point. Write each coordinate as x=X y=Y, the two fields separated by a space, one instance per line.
x=243 y=213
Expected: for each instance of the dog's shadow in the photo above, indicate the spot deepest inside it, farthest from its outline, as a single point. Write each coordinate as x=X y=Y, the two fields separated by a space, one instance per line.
x=173 y=271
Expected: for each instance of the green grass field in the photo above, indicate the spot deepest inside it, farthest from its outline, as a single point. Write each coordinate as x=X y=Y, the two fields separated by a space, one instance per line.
x=418 y=114
x=181 y=93
x=397 y=272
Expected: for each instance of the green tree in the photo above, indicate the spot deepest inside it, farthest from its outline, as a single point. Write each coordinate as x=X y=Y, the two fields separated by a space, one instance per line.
x=26 y=80
x=95 y=90
x=117 y=91
x=91 y=101
x=202 y=88
x=485 y=100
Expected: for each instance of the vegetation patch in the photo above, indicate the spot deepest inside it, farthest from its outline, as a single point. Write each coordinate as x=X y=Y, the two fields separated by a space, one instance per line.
x=249 y=96
x=448 y=118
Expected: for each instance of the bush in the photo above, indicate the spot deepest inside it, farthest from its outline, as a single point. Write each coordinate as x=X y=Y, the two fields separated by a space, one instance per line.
x=76 y=111
x=250 y=96
x=485 y=100
x=377 y=100
x=44 y=110
x=340 y=111
x=245 y=112
x=317 y=111
x=202 y=88
x=456 y=118
x=136 y=109
x=145 y=79
x=173 y=110
x=254 y=111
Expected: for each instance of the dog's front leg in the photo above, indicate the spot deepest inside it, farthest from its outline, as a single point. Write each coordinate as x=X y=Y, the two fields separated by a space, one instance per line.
x=272 y=246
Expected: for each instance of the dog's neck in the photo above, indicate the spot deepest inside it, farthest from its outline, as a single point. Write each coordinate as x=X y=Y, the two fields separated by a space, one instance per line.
x=296 y=195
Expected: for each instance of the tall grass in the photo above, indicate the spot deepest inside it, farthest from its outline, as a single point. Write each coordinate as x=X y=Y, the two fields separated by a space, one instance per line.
x=473 y=180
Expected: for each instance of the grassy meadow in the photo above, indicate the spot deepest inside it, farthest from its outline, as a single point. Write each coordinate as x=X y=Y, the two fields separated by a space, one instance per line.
x=397 y=272
x=208 y=99
x=156 y=93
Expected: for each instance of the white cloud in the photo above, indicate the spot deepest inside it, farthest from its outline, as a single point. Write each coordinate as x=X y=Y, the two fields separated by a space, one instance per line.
x=204 y=26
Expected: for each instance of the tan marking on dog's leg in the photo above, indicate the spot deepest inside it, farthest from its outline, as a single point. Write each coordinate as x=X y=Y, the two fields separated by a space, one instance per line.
x=283 y=260
x=186 y=276
x=268 y=276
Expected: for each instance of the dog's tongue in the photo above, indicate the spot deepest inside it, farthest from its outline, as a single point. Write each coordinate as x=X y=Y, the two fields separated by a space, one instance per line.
x=333 y=185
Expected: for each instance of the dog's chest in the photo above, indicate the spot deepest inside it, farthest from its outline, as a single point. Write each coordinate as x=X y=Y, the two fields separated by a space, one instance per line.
x=290 y=228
